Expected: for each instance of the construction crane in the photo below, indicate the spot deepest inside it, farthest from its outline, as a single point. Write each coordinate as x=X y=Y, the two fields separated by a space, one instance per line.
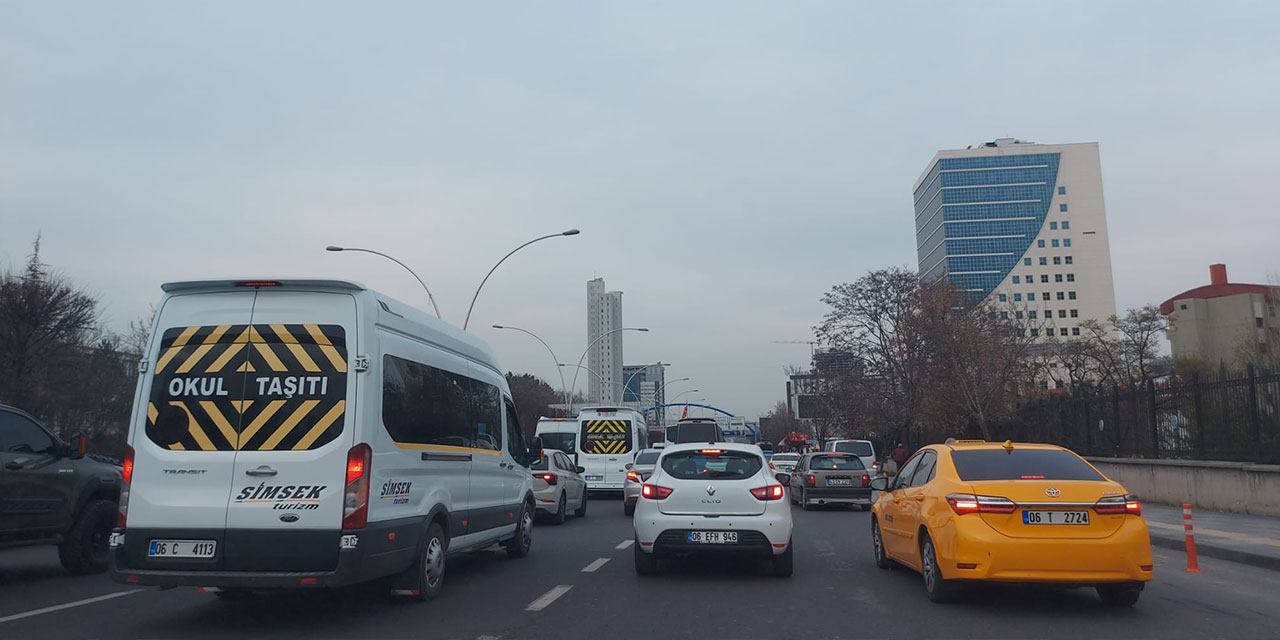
x=811 y=343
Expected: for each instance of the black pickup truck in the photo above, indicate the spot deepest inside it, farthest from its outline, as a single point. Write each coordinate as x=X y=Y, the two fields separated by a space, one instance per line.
x=51 y=493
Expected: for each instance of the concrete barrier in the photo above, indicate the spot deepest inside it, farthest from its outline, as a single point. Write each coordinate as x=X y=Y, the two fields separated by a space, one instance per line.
x=1238 y=487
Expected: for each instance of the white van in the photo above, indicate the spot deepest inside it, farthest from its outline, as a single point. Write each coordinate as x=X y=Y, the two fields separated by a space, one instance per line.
x=861 y=448
x=560 y=434
x=610 y=438
x=313 y=433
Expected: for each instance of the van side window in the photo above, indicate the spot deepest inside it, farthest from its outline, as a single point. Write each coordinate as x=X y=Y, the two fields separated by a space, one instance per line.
x=425 y=405
x=487 y=415
x=515 y=436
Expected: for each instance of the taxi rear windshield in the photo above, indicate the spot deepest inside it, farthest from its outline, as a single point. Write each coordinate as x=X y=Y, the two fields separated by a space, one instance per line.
x=726 y=465
x=1021 y=464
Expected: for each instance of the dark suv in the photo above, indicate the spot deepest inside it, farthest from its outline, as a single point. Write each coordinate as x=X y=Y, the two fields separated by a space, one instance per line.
x=697 y=430
x=50 y=493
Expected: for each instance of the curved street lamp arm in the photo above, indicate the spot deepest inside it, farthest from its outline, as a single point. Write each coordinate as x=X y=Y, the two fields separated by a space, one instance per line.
x=554 y=359
x=593 y=343
x=495 y=268
x=406 y=268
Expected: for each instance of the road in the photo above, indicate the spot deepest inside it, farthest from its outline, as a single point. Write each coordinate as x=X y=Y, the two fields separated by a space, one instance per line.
x=836 y=592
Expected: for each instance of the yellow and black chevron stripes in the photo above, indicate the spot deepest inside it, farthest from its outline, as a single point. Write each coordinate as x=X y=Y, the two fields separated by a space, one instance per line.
x=606 y=436
x=254 y=387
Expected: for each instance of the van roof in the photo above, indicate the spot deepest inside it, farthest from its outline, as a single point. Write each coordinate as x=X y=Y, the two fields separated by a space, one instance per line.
x=391 y=312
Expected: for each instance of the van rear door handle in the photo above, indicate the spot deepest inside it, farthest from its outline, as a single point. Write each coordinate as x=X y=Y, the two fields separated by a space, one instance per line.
x=261 y=471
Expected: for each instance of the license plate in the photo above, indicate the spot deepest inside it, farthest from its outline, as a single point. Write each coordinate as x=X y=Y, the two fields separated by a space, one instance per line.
x=181 y=549
x=839 y=482
x=713 y=537
x=1055 y=517
x=595 y=478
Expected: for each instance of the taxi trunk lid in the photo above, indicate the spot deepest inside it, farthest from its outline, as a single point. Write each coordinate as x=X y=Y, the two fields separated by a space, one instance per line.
x=1056 y=497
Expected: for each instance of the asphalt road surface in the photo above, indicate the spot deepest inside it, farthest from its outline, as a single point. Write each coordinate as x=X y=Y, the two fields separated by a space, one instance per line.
x=579 y=582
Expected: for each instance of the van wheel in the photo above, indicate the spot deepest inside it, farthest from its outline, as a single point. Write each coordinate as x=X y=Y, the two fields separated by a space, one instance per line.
x=560 y=515
x=85 y=548
x=426 y=577
x=518 y=545
x=581 y=511
x=646 y=563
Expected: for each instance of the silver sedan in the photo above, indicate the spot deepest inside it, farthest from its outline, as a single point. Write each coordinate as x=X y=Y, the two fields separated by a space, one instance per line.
x=637 y=473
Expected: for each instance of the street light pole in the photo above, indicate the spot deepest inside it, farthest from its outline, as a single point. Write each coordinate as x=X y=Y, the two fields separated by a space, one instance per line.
x=661 y=392
x=570 y=232
x=406 y=268
x=686 y=406
x=554 y=359
x=602 y=336
x=627 y=385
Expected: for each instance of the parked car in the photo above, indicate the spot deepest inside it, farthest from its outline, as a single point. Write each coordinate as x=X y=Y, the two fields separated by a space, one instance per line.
x=558 y=486
x=712 y=499
x=824 y=478
x=637 y=473
x=51 y=493
x=1012 y=512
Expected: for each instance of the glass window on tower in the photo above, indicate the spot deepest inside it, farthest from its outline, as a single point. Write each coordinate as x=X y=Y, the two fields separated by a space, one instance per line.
x=1004 y=298
x=1017 y=297
x=1066 y=242
x=1062 y=331
x=1026 y=261
x=1015 y=280
x=1053 y=226
x=1055 y=243
x=1044 y=277
x=1071 y=295
x=1044 y=261
x=1071 y=277
x=1062 y=191
x=1040 y=243
x=1068 y=259
x=1075 y=313
x=1075 y=331
x=1066 y=224
x=1062 y=208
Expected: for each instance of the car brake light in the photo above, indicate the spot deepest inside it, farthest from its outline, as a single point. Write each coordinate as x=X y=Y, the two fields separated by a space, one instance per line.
x=866 y=480
x=711 y=452
x=122 y=513
x=633 y=476
x=965 y=503
x=355 y=498
x=1116 y=505
x=771 y=492
x=813 y=481
x=654 y=492
x=549 y=478
x=258 y=283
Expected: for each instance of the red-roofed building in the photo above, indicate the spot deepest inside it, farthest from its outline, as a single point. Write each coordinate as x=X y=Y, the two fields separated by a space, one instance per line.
x=1224 y=322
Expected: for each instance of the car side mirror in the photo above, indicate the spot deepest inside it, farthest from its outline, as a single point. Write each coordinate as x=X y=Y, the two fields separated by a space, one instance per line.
x=880 y=484
x=78 y=446
x=535 y=448
x=784 y=478
x=628 y=466
x=581 y=469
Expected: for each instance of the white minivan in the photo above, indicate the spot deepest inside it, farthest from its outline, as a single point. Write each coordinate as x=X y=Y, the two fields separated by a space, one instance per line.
x=610 y=439
x=312 y=433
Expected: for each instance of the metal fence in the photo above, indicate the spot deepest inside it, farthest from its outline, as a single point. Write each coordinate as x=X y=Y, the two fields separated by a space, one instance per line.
x=1230 y=416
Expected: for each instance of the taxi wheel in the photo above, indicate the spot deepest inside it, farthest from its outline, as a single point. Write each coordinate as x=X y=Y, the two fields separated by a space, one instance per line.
x=877 y=545
x=560 y=516
x=646 y=563
x=939 y=590
x=1119 y=595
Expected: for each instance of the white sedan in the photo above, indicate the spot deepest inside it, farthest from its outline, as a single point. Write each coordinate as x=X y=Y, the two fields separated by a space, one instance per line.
x=718 y=498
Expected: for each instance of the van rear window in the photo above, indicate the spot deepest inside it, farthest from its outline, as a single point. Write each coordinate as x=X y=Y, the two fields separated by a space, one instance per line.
x=856 y=447
x=561 y=441
x=1021 y=464
x=261 y=387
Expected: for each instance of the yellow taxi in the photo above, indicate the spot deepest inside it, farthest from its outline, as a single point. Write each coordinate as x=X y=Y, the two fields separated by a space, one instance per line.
x=1010 y=512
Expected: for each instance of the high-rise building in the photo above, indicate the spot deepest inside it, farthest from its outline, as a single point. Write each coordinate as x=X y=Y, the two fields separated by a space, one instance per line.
x=1023 y=224
x=604 y=358
x=642 y=384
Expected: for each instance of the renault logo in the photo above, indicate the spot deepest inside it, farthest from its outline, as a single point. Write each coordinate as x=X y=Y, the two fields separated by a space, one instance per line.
x=711 y=490
x=1052 y=492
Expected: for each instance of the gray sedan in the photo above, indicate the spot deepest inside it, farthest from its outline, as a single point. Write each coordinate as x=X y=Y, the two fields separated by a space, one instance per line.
x=831 y=478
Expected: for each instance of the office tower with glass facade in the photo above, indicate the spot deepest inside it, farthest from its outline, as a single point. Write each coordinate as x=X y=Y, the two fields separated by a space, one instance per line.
x=1023 y=225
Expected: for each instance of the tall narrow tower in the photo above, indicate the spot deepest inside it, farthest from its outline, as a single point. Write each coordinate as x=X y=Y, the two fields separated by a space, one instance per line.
x=604 y=358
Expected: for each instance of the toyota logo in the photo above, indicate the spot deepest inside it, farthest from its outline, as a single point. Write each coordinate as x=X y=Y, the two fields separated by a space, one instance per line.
x=711 y=490
x=1052 y=492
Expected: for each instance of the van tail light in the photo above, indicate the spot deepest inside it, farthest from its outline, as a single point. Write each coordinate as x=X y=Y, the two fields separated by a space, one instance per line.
x=771 y=492
x=355 y=499
x=1117 y=505
x=813 y=480
x=633 y=476
x=122 y=514
x=549 y=478
x=866 y=480
x=965 y=503
x=654 y=492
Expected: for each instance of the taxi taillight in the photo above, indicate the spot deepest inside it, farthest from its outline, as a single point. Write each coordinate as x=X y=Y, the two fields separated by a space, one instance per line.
x=1118 y=505
x=355 y=498
x=965 y=503
x=122 y=513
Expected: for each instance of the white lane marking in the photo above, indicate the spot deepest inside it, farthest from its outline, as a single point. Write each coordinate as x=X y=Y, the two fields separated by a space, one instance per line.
x=547 y=598
x=69 y=605
x=624 y=544
x=595 y=565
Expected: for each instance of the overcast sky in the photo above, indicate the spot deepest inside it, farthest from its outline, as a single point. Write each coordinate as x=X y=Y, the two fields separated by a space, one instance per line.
x=726 y=162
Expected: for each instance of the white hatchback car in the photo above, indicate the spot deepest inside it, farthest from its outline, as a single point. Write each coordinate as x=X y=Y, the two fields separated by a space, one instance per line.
x=717 y=498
